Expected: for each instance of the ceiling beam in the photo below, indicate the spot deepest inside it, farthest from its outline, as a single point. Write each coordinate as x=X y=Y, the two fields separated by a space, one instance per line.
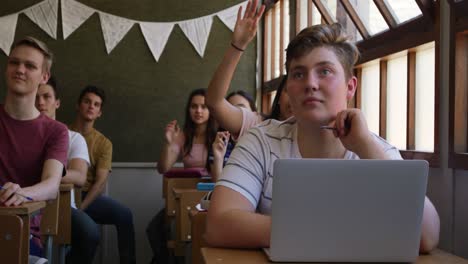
x=324 y=11
x=387 y=13
x=348 y=7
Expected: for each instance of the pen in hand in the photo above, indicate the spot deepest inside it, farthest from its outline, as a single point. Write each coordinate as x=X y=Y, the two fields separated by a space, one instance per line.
x=328 y=127
x=24 y=196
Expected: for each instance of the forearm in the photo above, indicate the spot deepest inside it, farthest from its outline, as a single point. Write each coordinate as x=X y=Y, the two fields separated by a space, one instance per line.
x=216 y=169
x=74 y=177
x=246 y=229
x=430 y=227
x=222 y=78
x=94 y=191
x=372 y=150
x=168 y=157
x=47 y=189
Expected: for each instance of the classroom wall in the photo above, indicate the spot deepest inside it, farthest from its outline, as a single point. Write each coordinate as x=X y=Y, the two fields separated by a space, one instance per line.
x=143 y=95
x=139 y=187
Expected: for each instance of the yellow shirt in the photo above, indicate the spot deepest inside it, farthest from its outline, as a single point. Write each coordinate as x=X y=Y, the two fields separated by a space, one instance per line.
x=100 y=155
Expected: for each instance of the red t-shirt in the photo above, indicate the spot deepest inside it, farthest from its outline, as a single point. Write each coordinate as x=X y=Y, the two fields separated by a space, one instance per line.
x=26 y=145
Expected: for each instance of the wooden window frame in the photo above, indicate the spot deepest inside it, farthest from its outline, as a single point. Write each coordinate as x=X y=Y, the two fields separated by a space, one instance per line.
x=458 y=81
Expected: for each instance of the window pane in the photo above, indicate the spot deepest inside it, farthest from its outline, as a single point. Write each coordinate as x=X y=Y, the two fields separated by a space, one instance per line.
x=316 y=16
x=396 y=101
x=267 y=58
x=404 y=9
x=286 y=32
x=370 y=16
x=277 y=13
x=339 y=14
x=370 y=94
x=425 y=100
x=302 y=4
x=272 y=98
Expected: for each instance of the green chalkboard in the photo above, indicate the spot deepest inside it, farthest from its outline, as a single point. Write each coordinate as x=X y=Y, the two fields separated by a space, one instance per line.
x=143 y=95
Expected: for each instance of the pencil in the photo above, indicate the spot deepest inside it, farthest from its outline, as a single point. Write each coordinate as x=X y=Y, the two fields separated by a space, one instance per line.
x=328 y=127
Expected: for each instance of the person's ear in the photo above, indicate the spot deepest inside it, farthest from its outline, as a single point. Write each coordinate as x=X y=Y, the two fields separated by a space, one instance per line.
x=57 y=104
x=45 y=77
x=351 y=88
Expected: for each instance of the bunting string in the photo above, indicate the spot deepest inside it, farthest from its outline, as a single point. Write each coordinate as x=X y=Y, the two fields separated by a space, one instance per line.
x=114 y=28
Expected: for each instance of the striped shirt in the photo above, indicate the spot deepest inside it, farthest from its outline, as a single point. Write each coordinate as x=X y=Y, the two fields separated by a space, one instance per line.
x=249 y=169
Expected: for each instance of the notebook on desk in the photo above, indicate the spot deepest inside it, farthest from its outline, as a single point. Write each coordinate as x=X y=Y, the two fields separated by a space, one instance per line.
x=347 y=210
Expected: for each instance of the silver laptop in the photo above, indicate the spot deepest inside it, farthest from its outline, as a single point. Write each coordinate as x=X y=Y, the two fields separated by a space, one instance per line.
x=347 y=210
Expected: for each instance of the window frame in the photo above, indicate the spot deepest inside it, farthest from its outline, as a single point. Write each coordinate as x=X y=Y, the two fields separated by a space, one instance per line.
x=458 y=56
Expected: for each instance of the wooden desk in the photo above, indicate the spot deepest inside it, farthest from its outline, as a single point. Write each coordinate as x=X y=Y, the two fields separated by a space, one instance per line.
x=169 y=184
x=64 y=218
x=234 y=256
x=24 y=211
x=186 y=200
x=198 y=220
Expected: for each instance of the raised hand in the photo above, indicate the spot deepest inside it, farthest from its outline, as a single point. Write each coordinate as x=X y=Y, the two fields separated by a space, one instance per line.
x=220 y=144
x=246 y=27
x=172 y=131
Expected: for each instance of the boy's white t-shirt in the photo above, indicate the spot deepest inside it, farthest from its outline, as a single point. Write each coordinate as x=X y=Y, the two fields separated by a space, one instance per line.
x=249 y=169
x=77 y=150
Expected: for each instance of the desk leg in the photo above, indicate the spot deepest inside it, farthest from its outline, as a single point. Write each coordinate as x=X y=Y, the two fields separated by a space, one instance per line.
x=24 y=259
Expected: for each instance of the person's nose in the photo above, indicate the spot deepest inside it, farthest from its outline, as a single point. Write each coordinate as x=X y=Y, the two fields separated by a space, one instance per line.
x=312 y=82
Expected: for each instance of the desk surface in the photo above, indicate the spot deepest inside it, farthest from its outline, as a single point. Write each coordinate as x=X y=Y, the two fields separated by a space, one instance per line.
x=234 y=256
x=26 y=208
x=66 y=187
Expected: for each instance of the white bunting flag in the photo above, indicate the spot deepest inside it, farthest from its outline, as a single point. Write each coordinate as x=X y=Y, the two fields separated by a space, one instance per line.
x=114 y=28
x=44 y=15
x=229 y=15
x=7 y=31
x=73 y=15
x=156 y=36
x=197 y=32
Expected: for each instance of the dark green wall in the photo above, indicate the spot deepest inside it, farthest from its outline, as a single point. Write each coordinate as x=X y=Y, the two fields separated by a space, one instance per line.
x=143 y=95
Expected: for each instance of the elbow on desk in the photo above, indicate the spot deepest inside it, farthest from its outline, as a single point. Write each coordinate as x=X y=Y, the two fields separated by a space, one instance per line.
x=213 y=236
x=428 y=244
x=161 y=169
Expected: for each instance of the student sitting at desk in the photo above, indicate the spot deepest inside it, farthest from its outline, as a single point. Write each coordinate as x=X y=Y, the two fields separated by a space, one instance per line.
x=33 y=147
x=102 y=209
x=224 y=143
x=84 y=231
x=237 y=120
x=193 y=142
x=192 y=145
x=320 y=81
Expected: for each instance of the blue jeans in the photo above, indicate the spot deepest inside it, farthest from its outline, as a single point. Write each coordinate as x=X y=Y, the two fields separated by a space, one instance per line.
x=107 y=211
x=84 y=238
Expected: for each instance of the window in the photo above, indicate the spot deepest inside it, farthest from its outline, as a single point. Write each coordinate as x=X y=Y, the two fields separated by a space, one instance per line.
x=276 y=38
x=370 y=16
x=307 y=14
x=370 y=92
x=425 y=99
x=404 y=10
x=404 y=84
